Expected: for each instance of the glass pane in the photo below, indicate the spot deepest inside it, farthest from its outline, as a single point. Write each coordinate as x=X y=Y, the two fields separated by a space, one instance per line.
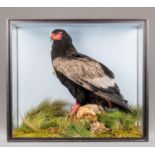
x=117 y=45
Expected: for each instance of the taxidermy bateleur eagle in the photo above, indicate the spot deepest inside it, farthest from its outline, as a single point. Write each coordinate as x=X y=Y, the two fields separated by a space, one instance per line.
x=88 y=80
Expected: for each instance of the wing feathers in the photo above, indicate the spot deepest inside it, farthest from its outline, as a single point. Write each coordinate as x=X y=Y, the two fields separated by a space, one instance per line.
x=83 y=69
x=92 y=76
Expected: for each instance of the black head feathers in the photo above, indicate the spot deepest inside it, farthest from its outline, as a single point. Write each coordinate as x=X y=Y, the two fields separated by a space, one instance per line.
x=61 y=35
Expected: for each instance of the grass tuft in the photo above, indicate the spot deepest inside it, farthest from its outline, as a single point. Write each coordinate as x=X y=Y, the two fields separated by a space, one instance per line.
x=50 y=120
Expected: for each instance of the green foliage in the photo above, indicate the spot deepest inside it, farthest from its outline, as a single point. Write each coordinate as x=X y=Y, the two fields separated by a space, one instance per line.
x=49 y=123
x=111 y=119
x=56 y=108
x=128 y=121
x=51 y=120
x=45 y=115
x=77 y=129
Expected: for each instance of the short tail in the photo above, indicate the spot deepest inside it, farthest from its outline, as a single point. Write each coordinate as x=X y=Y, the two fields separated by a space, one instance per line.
x=125 y=107
x=116 y=100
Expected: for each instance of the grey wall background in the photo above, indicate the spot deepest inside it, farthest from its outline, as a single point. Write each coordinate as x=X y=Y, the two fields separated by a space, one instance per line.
x=74 y=13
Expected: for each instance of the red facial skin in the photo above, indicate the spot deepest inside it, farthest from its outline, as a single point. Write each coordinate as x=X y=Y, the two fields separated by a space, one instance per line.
x=57 y=36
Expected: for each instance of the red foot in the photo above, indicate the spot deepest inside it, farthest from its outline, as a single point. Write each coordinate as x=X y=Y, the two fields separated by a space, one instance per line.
x=75 y=108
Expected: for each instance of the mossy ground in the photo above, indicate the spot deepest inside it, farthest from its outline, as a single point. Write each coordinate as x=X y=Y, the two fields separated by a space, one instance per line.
x=51 y=120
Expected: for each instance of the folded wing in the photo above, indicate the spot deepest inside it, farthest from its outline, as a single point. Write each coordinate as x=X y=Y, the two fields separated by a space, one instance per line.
x=92 y=76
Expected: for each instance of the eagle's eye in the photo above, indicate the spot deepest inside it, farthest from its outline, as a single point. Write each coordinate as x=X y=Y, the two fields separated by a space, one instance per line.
x=56 y=36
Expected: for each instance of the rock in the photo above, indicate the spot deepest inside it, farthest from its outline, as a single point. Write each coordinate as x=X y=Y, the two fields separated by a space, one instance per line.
x=97 y=127
x=89 y=112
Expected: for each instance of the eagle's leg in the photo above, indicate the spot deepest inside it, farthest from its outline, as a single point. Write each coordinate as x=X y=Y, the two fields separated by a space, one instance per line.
x=109 y=102
x=74 y=110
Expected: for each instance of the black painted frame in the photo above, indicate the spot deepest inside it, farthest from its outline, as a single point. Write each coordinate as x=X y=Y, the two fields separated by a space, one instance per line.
x=145 y=83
